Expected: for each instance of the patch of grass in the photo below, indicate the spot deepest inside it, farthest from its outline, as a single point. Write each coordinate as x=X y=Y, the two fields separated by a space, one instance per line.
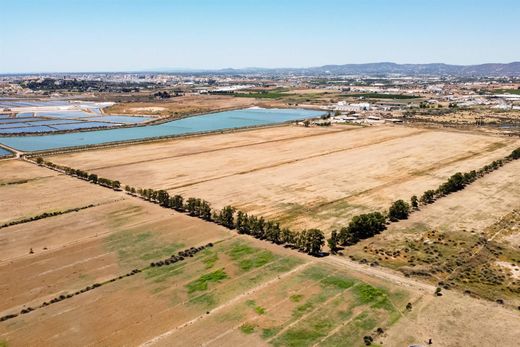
x=259 y=310
x=250 y=303
x=270 y=332
x=206 y=300
x=284 y=264
x=298 y=337
x=366 y=294
x=338 y=282
x=160 y=274
x=264 y=94
x=3 y=343
x=247 y=328
x=301 y=309
x=201 y=283
x=239 y=250
x=258 y=260
x=381 y=96
x=134 y=248
x=365 y=322
x=296 y=297
x=507 y=91
x=314 y=273
x=210 y=258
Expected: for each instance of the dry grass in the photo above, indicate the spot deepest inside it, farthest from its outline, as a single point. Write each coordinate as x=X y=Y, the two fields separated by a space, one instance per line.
x=302 y=177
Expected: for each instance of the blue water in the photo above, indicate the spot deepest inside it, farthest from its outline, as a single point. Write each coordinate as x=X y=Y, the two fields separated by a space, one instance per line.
x=119 y=119
x=4 y=152
x=32 y=129
x=82 y=125
x=18 y=120
x=65 y=114
x=191 y=125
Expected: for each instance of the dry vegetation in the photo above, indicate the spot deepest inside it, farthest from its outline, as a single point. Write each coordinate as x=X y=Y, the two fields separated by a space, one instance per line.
x=465 y=241
x=247 y=291
x=181 y=106
x=302 y=177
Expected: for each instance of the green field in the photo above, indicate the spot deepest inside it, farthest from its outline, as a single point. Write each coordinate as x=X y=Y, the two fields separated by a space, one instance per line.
x=507 y=91
x=381 y=96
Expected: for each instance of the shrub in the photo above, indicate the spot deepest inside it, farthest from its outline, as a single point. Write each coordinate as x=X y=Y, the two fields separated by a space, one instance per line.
x=399 y=210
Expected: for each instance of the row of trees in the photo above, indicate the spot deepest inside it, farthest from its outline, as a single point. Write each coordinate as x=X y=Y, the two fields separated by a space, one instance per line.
x=81 y=174
x=309 y=241
x=459 y=181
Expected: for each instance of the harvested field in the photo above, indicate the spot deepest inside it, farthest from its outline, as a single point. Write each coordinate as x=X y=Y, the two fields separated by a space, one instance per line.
x=182 y=105
x=239 y=291
x=464 y=241
x=303 y=177
x=27 y=191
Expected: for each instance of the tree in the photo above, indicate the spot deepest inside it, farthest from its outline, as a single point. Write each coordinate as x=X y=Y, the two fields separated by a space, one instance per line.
x=362 y=227
x=241 y=222
x=515 y=154
x=313 y=241
x=191 y=206
x=39 y=160
x=272 y=232
x=428 y=197
x=116 y=184
x=93 y=178
x=205 y=210
x=226 y=217
x=455 y=183
x=177 y=203
x=163 y=198
x=414 y=202
x=287 y=236
x=399 y=210
x=333 y=242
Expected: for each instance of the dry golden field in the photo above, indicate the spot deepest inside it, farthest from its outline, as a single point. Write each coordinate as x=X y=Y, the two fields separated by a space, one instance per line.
x=303 y=177
x=247 y=291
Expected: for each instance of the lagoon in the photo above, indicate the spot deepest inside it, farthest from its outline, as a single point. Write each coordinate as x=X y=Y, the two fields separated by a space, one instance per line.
x=191 y=125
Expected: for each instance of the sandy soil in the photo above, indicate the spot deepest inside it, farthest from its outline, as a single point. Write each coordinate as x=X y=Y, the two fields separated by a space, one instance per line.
x=182 y=105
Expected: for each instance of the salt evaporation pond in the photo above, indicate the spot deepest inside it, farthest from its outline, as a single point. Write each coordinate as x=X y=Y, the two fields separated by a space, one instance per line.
x=4 y=152
x=191 y=125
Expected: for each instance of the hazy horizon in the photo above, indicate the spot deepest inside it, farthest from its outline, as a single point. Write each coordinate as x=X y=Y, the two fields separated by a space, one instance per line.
x=110 y=36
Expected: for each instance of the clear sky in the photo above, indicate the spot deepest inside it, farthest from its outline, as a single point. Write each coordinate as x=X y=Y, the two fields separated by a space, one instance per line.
x=116 y=35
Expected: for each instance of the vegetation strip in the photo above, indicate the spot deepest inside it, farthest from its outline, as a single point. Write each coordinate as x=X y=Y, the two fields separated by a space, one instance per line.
x=45 y=215
x=180 y=256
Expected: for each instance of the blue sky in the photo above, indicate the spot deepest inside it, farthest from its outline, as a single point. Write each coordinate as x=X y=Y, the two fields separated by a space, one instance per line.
x=115 y=35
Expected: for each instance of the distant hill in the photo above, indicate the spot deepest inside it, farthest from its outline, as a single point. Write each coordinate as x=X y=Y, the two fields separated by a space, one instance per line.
x=436 y=69
x=511 y=69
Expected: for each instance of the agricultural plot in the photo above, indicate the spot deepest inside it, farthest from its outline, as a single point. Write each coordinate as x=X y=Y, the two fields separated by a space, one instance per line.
x=304 y=178
x=27 y=191
x=468 y=240
x=318 y=304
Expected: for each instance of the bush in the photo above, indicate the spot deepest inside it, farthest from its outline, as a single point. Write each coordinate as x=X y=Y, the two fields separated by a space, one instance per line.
x=399 y=210
x=362 y=227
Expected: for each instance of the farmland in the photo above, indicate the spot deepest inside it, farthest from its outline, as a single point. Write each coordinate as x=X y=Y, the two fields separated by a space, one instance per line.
x=89 y=275
x=302 y=177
